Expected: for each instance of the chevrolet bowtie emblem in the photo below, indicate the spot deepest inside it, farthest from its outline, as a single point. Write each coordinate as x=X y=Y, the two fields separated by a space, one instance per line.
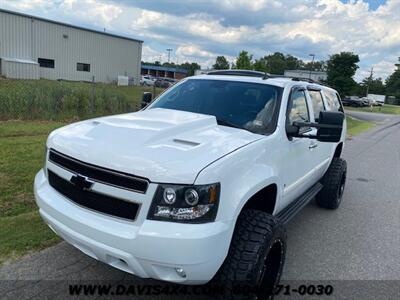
x=81 y=182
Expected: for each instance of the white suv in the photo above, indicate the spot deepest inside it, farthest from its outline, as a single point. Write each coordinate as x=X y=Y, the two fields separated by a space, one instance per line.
x=147 y=80
x=199 y=184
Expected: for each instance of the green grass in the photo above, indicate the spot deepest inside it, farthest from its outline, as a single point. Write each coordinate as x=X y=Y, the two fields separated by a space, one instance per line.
x=22 y=234
x=355 y=126
x=21 y=157
x=64 y=100
x=386 y=109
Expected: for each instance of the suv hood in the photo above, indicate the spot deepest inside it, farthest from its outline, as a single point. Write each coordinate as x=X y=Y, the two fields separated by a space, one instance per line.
x=162 y=145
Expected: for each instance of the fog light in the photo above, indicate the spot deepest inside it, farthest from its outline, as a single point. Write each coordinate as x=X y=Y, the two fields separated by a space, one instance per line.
x=180 y=272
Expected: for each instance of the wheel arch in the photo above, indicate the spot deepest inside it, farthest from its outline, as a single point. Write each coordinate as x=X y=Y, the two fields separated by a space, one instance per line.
x=338 y=150
x=264 y=199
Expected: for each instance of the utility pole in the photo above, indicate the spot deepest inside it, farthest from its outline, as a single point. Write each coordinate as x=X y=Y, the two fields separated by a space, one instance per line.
x=312 y=64
x=369 y=80
x=169 y=54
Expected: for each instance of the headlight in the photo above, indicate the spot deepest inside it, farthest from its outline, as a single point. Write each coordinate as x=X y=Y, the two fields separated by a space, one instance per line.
x=185 y=203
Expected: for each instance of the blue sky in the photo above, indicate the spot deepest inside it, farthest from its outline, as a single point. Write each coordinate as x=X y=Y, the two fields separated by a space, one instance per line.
x=199 y=30
x=373 y=4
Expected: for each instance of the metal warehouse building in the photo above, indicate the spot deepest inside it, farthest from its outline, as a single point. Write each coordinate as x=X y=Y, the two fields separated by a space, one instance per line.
x=33 y=48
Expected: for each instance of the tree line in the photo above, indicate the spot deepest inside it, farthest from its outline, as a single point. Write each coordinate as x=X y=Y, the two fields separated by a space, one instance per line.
x=190 y=67
x=340 y=69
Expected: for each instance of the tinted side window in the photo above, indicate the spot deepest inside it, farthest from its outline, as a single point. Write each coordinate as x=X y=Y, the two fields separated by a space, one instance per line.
x=332 y=101
x=317 y=102
x=298 y=110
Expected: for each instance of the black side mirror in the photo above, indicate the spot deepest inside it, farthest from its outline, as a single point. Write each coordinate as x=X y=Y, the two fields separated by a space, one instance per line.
x=330 y=127
x=146 y=99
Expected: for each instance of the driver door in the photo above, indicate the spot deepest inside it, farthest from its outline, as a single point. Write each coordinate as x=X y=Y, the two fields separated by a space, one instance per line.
x=300 y=161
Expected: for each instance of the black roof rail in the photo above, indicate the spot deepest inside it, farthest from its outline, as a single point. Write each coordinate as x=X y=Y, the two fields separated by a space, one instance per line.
x=309 y=80
x=252 y=73
x=249 y=73
x=293 y=78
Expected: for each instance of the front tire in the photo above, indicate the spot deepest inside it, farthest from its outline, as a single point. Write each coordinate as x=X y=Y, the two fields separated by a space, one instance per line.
x=256 y=257
x=334 y=182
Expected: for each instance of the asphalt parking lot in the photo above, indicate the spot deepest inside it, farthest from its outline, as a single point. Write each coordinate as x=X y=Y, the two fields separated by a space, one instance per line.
x=355 y=248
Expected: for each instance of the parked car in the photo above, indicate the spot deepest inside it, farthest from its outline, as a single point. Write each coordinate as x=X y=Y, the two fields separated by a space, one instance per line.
x=197 y=186
x=377 y=100
x=164 y=82
x=147 y=80
x=353 y=102
x=356 y=102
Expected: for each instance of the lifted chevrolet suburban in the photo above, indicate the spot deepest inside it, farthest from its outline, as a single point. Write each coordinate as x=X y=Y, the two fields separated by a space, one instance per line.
x=199 y=184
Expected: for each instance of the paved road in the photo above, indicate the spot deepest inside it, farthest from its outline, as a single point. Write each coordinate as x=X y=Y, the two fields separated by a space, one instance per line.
x=371 y=117
x=355 y=248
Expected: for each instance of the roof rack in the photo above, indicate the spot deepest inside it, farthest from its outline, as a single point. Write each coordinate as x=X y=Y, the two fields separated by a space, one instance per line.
x=309 y=80
x=234 y=72
x=264 y=76
x=293 y=78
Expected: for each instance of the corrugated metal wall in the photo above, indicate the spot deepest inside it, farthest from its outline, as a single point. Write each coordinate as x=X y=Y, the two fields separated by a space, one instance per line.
x=29 y=38
x=18 y=70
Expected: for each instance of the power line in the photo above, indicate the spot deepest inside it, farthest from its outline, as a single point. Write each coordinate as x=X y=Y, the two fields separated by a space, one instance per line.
x=169 y=54
x=312 y=64
x=370 y=79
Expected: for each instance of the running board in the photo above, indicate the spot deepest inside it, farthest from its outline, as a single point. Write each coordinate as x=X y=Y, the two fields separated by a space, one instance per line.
x=286 y=214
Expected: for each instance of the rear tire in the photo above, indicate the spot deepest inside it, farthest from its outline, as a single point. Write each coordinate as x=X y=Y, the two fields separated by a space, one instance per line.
x=334 y=182
x=256 y=257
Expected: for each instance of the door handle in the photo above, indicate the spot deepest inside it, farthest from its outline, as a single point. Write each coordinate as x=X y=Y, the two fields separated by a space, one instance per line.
x=313 y=145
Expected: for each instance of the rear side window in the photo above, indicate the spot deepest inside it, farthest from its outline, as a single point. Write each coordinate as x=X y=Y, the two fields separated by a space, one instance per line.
x=332 y=99
x=317 y=103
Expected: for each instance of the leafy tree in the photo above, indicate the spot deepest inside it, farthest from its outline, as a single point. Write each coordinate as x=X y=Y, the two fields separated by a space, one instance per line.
x=357 y=90
x=260 y=65
x=221 y=63
x=373 y=86
x=293 y=63
x=316 y=66
x=341 y=68
x=170 y=65
x=278 y=63
x=393 y=83
x=190 y=67
x=156 y=63
x=243 y=61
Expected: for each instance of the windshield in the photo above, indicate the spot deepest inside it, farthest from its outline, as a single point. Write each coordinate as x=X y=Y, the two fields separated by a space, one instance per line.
x=251 y=106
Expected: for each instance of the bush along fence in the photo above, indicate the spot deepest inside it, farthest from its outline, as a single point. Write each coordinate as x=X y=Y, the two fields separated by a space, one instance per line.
x=62 y=100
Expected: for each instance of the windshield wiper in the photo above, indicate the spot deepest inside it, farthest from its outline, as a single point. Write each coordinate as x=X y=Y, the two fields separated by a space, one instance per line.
x=226 y=123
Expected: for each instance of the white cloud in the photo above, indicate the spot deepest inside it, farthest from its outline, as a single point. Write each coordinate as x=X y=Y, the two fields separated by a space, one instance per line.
x=193 y=51
x=201 y=30
x=98 y=13
x=384 y=68
x=30 y=4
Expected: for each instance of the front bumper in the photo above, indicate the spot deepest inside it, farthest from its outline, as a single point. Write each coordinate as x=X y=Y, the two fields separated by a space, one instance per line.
x=148 y=249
